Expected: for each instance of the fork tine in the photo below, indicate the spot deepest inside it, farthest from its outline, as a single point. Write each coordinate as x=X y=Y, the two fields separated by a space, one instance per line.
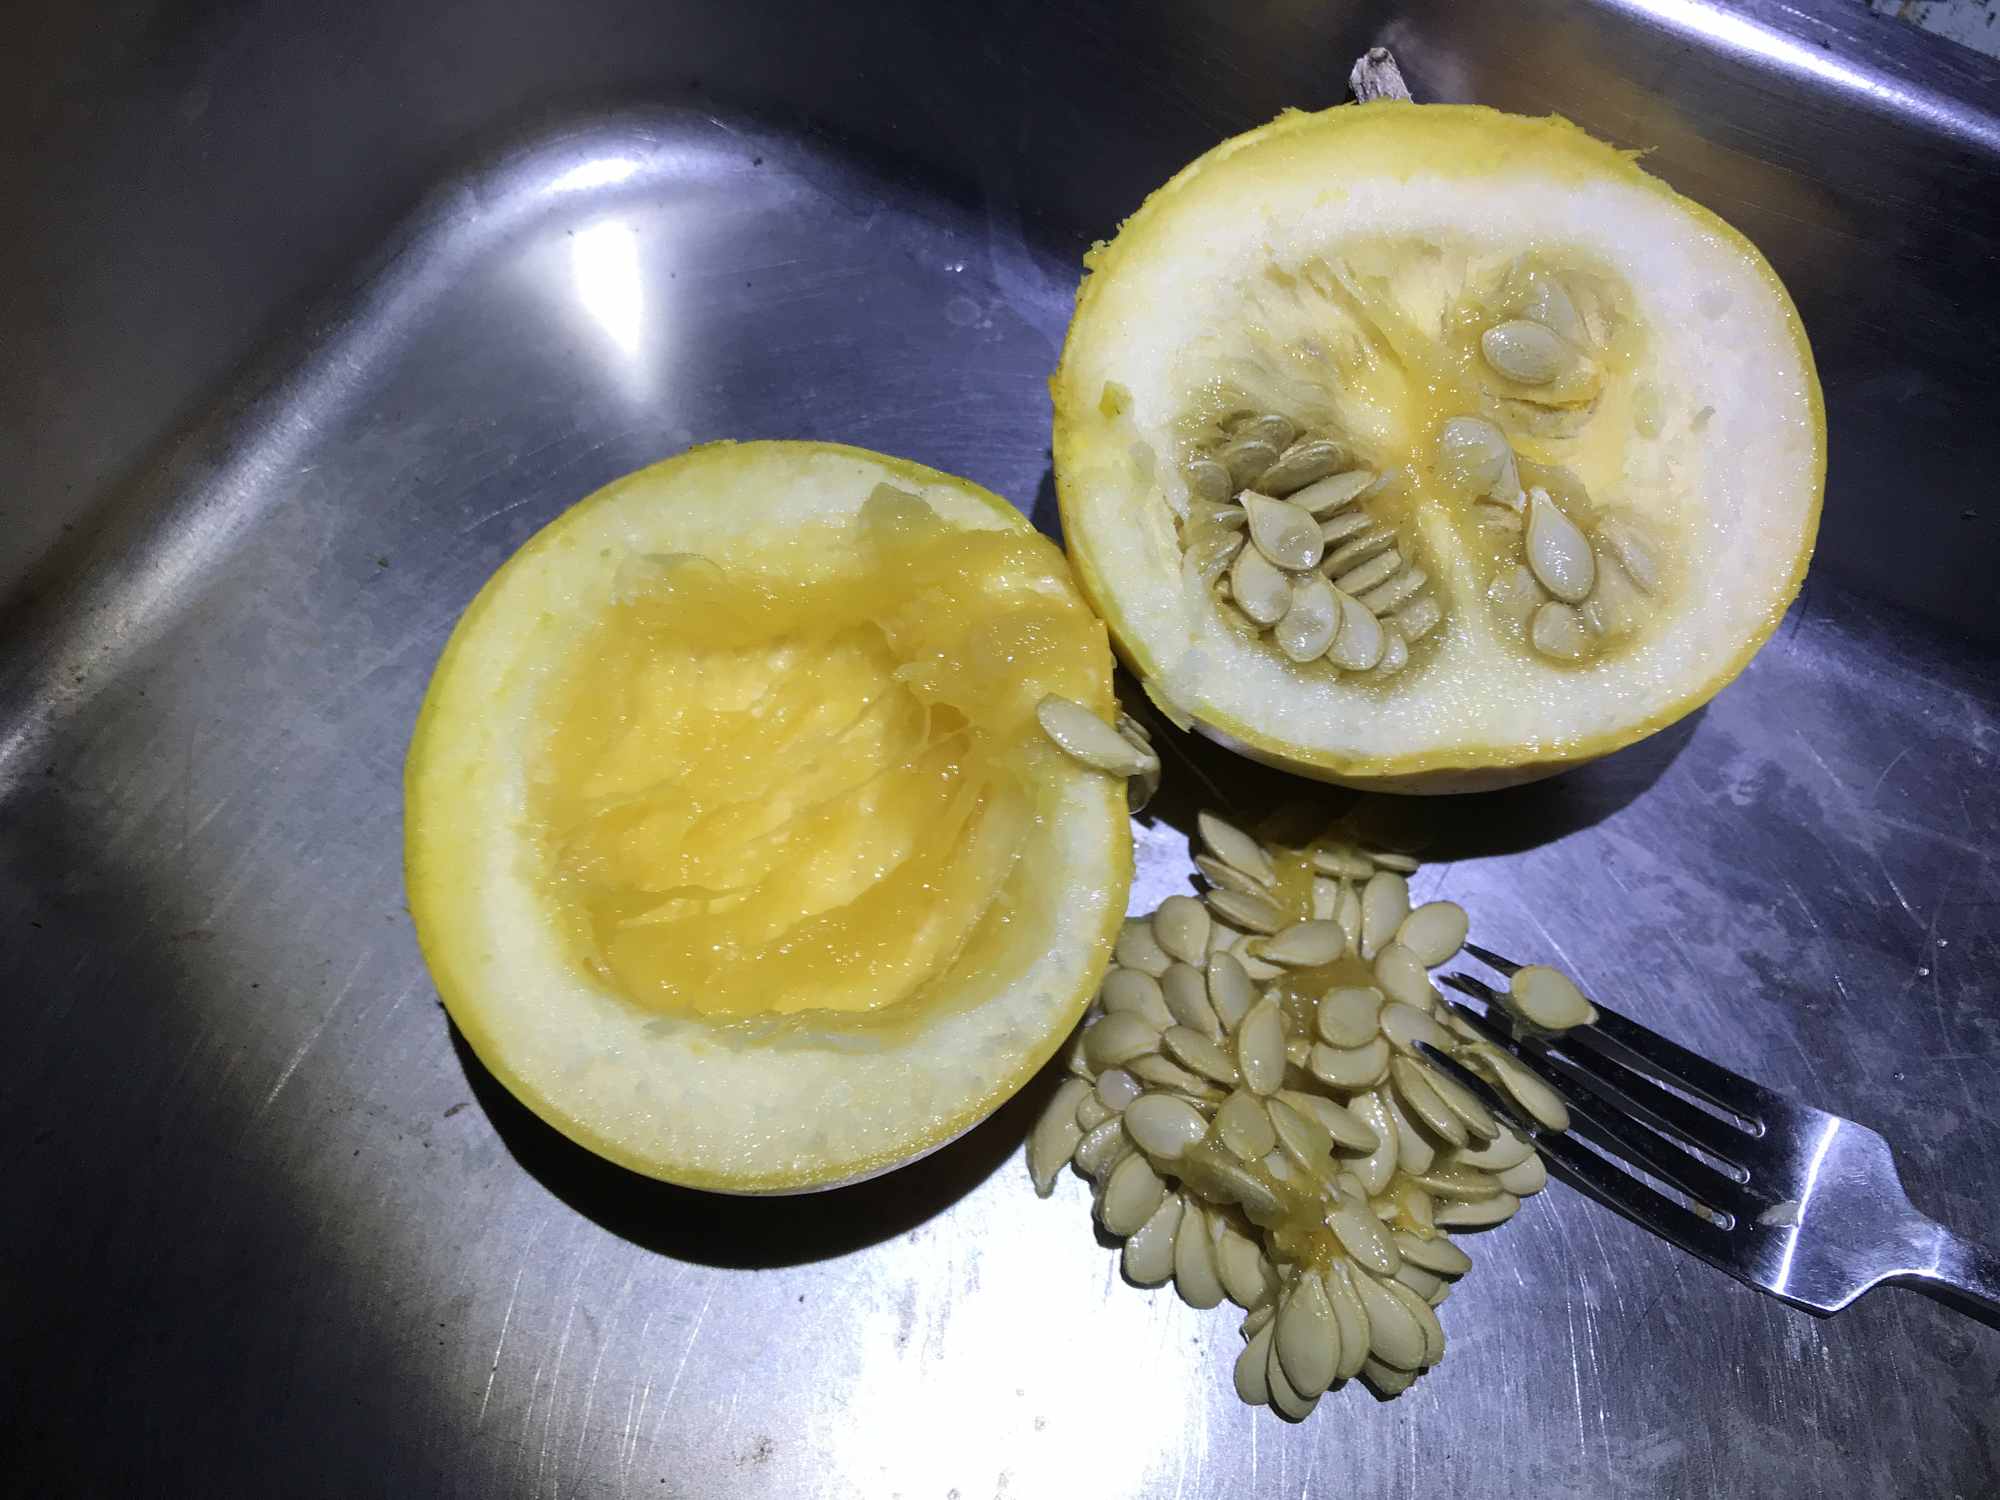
x=1601 y=1120
x=1616 y=1188
x=1646 y=1051
x=1623 y=1088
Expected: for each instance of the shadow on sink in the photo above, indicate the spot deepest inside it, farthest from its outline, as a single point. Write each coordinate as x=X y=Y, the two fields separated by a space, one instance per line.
x=717 y=1229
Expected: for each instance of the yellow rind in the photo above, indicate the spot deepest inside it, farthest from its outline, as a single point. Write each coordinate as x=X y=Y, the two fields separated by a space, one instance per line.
x=1449 y=140
x=437 y=861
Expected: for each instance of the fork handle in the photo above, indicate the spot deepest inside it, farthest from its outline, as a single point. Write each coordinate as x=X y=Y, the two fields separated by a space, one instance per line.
x=1962 y=1270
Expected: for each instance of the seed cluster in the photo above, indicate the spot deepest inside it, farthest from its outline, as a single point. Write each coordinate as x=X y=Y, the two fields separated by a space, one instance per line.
x=1263 y=1123
x=1279 y=525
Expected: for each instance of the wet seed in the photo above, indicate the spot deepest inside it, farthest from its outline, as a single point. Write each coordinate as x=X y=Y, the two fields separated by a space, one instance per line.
x=1559 y=631
x=1259 y=589
x=1246 y=459
x=1385 y=598
x=1084 y=737
x=1385 y=901
x=1525 y=352
x=1149 y=1254
x=1361 y=640
x=1185 y=990
x=1349 y=1016
x=1306 y=462
x=1260 y=1047
x=1325 y=496
x=1371 y=574
x=1055 y=1135
x=1191 y=1049
x=1230 y=992
x=1244 y=1126
x=1525 y=1178
x=1137 y=948
x=1359 y=549
x=1216 y=873
x=1481 y=1213
x=1164 y=1126
x=1196 y=1275
x=1401 y=975
x=1285 y=534
x=1434 y=932
x=1130 y=990
x=1235 y=848
x=1558 y=552
x=1208 y=480
x=1350 y=1068
x=1311 y=622
x=1181 y=925
x=1304 y=945
x=1131 y=1194
x=1418 y=618
x=1548 y=998
x=1242 y=909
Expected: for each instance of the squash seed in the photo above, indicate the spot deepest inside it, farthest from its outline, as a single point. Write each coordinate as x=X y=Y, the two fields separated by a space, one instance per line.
x=1560 y=632
x=1246 y=459
x=1191 y=1049
x=1395 y=653
x=1308 y=461
x=1419 y=618
x=1308 y=1338
x=1350 y=1316
x=1406 y=1028
x=1387 y=1382
x=1102 y=1148
x=1260 y=1047
x=1208 y=480
x=1525 y=1178
x=1434 y=932
x=1303 y=1138
x=1359 y=549
x=1360 y=643
x=1250 y=912
x=1349 y=864
x=1186 y=992
x=1325 y=496
x=1413 y=1086
x=1378 y=570
x=1221 y=1178
x=1351 y=1068
x=1092 y=1112
x=1285 y=1400
x=1149 y=1254
x=1424 y=1283
x=1252 y=1388
x=1541 y=1102
x=1385 y=901
x=1549 y=305
x=1285 y=534
x=1254 y=967
x=1246 y=1275
x=1137 y=993
x=1387 y=598
x=1482 y=1213
x=1349 y=1016
x=1117 y=1088
x=1392 y=859
x=1475 y=457
x=1344 y=1128
x=1625 y=543
x=1244 y=1126
x=1273 y=427
x=1181 y=925
x=1196 y=1276
x=1215 y=872
x=1164 y=1126
x=1084 y=737
x=1401 y=975
x=1235 y=848
x=1461 y=1183
x=1395 y=1337
x=1508 y=1148
x=1559 y=554
x=1304 y=945
x=1348 y=915
x=1137 y=948
x=1437 y=1254
x=1055 y=1136
x=1131 y=1194
x=1410 y=1203
x=1549 y=998
x=1212 y=554
x=1362 y=1236
x=1524 y=352
x=1311 y=622
x=1111 y=1040
x=1343 y=526
x=1427 y=1321
x=1461 y=1101
x=1378 y=1167
x=1414 y=1151
x=1230 y=992
x=1259 y=589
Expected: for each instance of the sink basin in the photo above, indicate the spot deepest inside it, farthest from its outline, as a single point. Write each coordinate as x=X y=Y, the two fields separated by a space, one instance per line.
x=318 y=312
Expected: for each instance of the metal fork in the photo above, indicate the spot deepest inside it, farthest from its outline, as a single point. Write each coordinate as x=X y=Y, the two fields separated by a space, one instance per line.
x=1789 y=1199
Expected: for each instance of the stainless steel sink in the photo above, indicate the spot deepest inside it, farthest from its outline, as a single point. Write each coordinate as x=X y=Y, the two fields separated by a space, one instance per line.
x=314 y=312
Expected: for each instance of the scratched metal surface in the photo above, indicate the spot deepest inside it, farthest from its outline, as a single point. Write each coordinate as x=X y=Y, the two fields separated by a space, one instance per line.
x=270 y=1227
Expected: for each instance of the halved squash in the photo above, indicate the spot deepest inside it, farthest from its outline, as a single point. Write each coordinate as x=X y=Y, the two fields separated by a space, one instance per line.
x=734 y=844
x=1429 y=448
